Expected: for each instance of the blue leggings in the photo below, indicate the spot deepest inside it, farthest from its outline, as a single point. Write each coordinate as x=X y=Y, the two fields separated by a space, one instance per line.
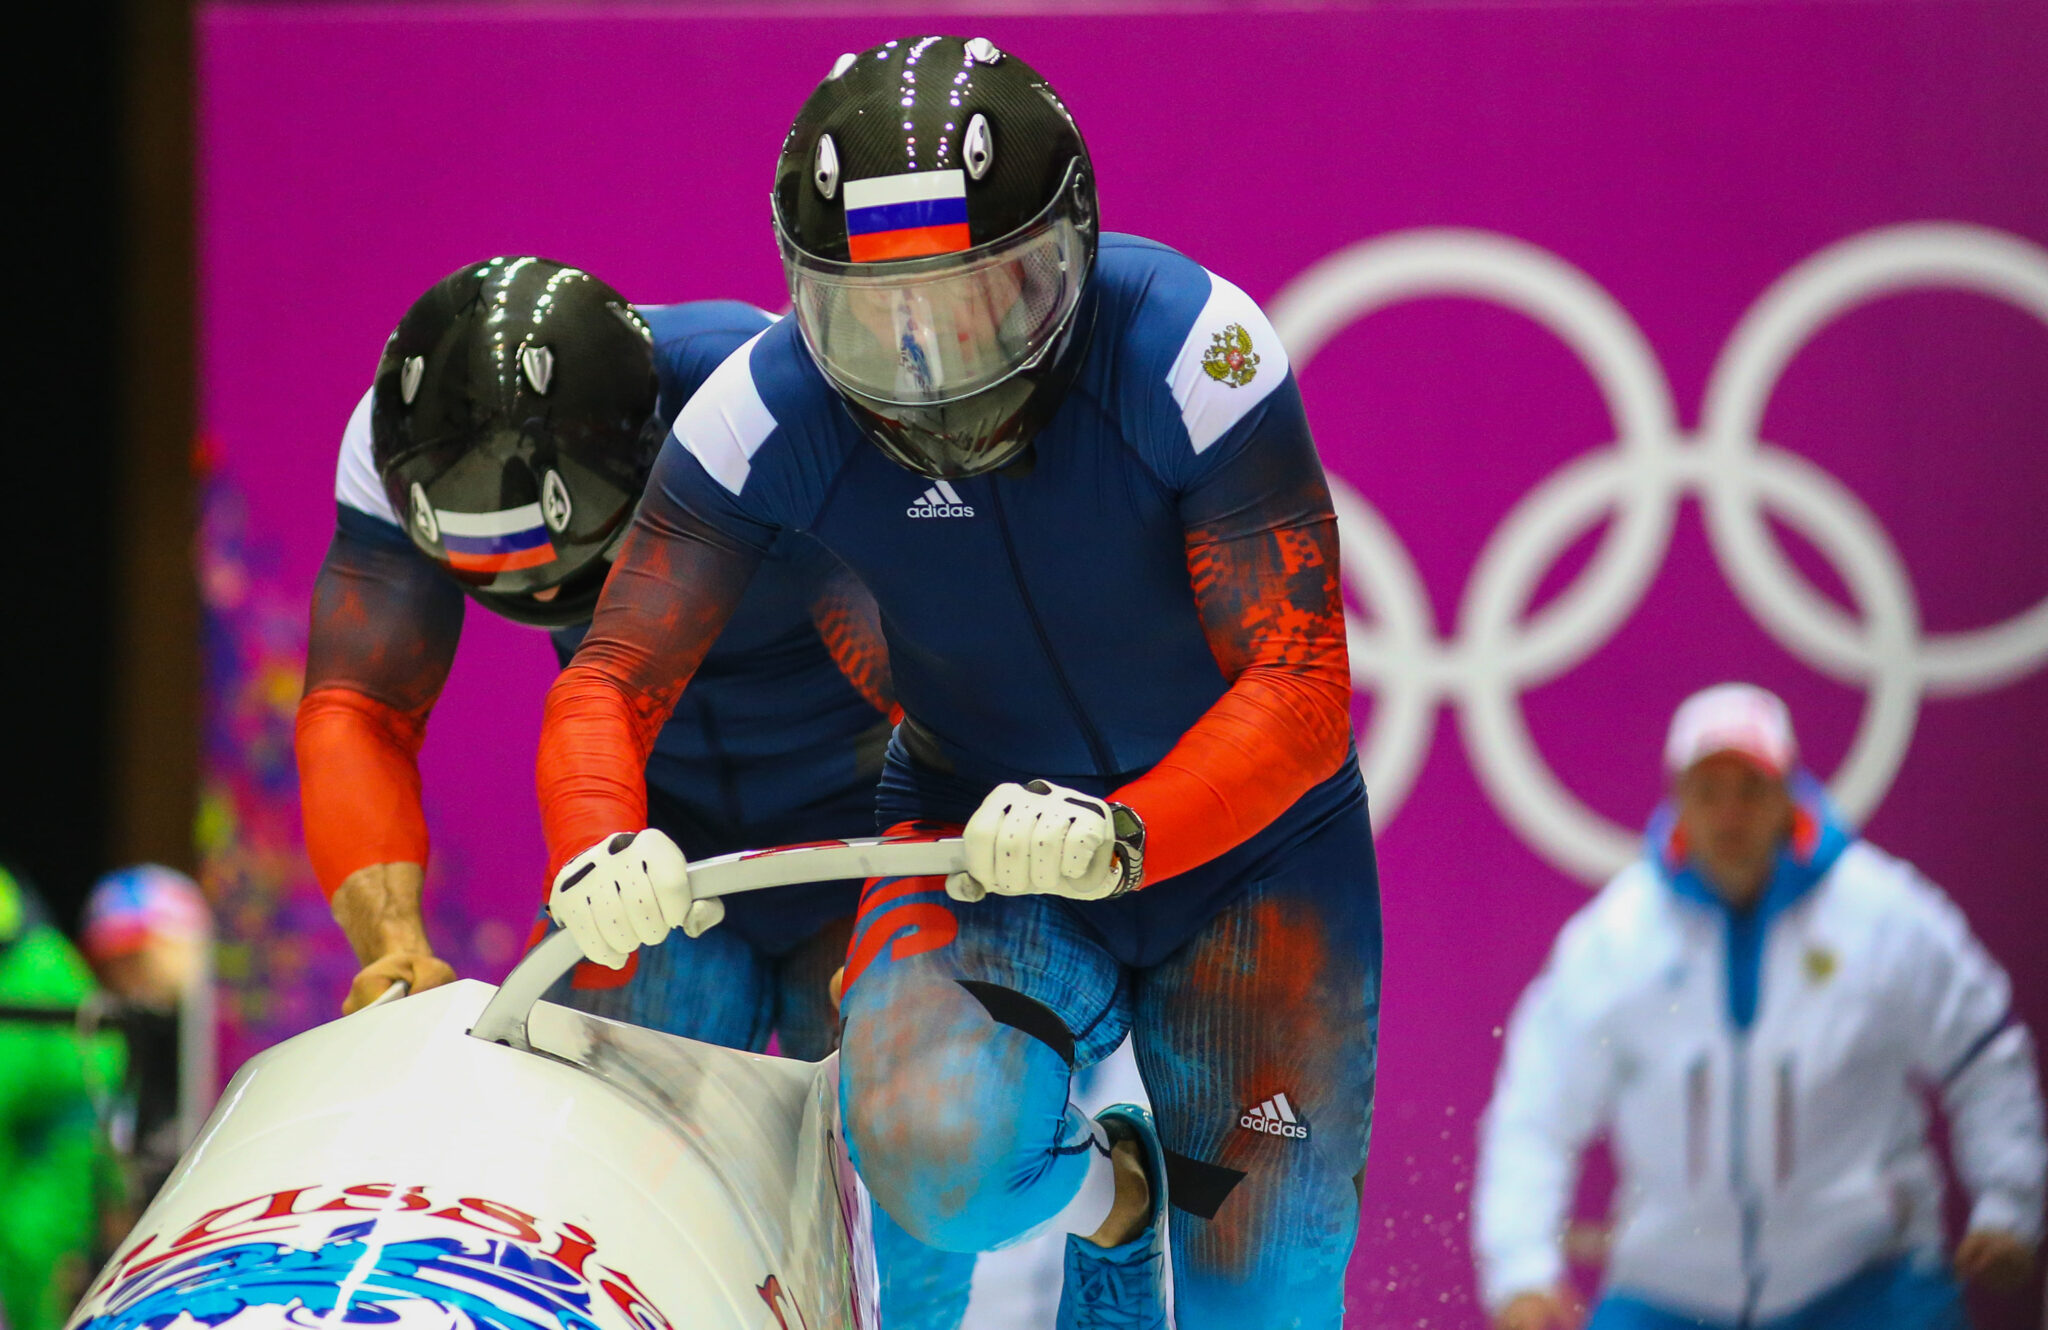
x=1255 y=1038
x=722 y=989
x=1905 y=1293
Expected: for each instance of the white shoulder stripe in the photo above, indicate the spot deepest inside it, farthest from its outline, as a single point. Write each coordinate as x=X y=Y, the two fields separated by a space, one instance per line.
x=355 y=471
x=725 y=422
x=1231 y=359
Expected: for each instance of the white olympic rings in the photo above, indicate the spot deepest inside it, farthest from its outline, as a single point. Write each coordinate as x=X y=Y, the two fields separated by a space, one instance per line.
x=1498 y=653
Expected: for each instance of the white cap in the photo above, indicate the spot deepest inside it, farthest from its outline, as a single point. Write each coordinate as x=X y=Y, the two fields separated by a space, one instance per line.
x=1738 y=718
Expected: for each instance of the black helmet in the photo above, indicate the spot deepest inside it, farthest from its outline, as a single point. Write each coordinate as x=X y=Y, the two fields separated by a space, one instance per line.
x=514 y=424
x=936 y=211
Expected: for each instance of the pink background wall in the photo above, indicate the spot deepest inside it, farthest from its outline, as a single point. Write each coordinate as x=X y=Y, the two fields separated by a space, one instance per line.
x=1657 y=167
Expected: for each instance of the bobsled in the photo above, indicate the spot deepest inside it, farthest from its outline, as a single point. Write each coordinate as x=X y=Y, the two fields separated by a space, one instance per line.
x=476 y=1158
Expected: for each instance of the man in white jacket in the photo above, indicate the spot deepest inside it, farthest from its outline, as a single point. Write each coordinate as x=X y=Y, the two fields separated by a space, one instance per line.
x=1757 y=1011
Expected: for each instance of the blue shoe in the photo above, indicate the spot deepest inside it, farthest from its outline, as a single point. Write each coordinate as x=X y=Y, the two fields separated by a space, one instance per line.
x=1123 y=1287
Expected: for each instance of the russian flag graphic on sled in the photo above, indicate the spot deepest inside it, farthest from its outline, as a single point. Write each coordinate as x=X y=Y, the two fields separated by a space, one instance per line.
x=906 y=216
x=499 y=542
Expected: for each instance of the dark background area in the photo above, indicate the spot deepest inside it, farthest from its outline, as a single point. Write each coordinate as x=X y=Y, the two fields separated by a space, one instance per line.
x=102 y=649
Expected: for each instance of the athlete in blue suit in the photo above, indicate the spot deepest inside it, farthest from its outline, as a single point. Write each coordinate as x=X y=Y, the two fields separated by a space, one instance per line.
x=1078 y=480
x=780 y=740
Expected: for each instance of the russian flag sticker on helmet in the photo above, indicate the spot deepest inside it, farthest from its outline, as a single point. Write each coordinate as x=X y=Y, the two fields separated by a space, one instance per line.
x=906 y=216
x=499 y=542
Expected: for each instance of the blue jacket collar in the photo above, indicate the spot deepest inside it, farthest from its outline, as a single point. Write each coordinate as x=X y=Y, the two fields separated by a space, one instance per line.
x=1818 y=838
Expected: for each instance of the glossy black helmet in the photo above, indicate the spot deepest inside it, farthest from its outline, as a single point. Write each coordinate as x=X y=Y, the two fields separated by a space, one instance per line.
x=936 y=211
x=513 y=425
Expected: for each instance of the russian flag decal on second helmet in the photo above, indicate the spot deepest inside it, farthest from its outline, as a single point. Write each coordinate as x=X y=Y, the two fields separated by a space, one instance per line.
x=906 y=216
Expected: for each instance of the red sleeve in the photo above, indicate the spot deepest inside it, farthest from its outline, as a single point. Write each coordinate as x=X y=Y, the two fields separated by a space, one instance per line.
x=1262 y=559
x=385 y=622
x=673 y=587
x=359 y=784
x=1271 y=607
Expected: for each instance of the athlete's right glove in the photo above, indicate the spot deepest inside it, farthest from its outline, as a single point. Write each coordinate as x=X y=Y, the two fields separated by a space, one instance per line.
x=1045 y=839
x=628 y=891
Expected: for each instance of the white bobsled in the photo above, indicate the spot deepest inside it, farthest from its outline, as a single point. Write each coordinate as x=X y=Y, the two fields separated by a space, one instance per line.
x=473 y=1159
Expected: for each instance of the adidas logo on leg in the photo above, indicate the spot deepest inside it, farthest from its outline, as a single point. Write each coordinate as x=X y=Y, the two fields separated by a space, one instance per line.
x=941 y=500
x=1275 y=1117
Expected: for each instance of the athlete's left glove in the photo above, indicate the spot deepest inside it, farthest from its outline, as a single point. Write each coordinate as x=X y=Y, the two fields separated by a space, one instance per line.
x=1045 y=839
x=627 y=891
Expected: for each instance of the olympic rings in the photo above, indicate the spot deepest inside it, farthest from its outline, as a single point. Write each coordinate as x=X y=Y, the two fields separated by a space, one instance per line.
x=1500 y=651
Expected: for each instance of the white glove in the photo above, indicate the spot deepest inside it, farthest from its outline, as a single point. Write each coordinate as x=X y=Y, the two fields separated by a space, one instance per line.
x=627 y=891
x=1040 y=839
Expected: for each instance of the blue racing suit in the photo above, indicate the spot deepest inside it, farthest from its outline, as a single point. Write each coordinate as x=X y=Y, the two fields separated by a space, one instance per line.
x=1145 y=607
x=781 y=742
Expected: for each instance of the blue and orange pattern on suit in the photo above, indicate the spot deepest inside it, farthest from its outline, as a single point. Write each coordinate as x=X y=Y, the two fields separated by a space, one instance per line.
x=1147 y=608
x=780 y=741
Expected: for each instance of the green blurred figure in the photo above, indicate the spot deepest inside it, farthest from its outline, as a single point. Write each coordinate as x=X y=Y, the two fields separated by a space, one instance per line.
x=57 y=1174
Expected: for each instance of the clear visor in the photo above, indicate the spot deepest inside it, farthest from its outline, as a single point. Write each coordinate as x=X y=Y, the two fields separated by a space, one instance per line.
x=919 y=332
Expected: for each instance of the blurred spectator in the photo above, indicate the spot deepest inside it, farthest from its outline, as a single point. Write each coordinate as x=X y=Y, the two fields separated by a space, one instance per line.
x=1756 y=1011
x=148 y=934
x=56 y=1173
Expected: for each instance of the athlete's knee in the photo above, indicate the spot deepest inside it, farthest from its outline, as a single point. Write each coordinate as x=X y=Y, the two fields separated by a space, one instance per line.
x=912 y=1143
x=951 y=1109
x=967 y=1227
x=945 y=1170
x=978 y=1190
x=918 y=1082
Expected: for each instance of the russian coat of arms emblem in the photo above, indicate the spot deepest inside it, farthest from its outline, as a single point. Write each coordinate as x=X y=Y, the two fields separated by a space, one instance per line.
x=1230 y=358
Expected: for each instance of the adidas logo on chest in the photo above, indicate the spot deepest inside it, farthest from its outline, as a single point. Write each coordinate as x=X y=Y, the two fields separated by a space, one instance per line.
x=941 y=500
x=1275 y=1117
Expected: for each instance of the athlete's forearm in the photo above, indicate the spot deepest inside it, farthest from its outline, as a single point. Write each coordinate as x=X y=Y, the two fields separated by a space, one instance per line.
x=1272 y=609
x=590 y=775
x=378 y=908
x=359 y=783
x=384 y=626
x=670 y=592
x=1263 y=745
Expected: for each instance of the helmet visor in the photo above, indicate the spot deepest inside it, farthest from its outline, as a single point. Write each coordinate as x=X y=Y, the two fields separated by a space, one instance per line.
x=919 y=332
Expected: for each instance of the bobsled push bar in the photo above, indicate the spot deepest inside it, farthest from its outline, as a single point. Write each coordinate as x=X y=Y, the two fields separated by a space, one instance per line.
x=504 y=1020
